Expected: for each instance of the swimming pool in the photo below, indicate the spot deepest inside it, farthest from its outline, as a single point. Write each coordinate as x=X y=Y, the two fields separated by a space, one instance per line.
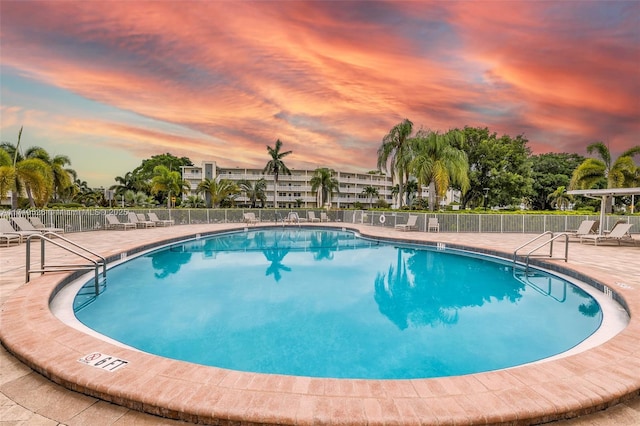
x=326 y=303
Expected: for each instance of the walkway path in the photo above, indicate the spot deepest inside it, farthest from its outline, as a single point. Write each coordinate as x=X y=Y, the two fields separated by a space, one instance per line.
x=27 y=398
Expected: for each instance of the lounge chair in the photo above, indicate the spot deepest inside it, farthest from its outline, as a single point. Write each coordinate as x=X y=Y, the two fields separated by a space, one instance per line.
x=160 y=222
x=312 y=217
x=133 y=218
x=433 y=224
x=10 y=238
x=143 y=220
x=114 y=223
x=619 y=233
x=324 y=217
x=24 y=225
x=586 y=227
x=410 y=225
x=293 y=217
x=7 y=228
x=250 y=218
x=37 y=223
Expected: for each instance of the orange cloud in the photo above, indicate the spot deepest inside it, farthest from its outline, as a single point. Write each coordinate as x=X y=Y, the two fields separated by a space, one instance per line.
x=221 y=80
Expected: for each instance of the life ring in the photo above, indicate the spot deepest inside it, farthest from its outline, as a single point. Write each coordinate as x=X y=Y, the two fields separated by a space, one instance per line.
x=382 y=219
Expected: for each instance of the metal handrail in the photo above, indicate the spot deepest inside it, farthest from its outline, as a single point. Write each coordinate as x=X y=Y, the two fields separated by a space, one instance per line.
x=548 y=242
x=95 y=264
x=526 y=281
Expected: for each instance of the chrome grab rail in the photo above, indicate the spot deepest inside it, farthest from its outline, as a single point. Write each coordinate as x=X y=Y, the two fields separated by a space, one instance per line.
x=526 y=281
x=95 y=264
x=549 y=242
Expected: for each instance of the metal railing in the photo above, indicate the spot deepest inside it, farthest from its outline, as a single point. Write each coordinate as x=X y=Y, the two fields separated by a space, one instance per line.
x=93 y=219
x=95 y=264
x=548 y=242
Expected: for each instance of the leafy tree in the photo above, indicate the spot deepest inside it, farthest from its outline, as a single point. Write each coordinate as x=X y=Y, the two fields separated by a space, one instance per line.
x=217 y=190
x=167 y=182
x=254 y=191
x=323 y=183
x=411 y=189
x=549 y=172
x=275 y=166
x=128 y=182
x=143 y=174
x=594 y=170
x=82 y=194
x=559 y=198
x=25 y=173
x=194 y=202
x=438 y=163
x=7 y=173
x=500 y=164
x=136 y=199
x=394 y=155
x=604 y=172
x=370 y=192
x=62 y=176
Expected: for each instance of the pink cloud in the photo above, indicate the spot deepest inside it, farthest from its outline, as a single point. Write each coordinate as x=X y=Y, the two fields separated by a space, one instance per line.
x=329 y=79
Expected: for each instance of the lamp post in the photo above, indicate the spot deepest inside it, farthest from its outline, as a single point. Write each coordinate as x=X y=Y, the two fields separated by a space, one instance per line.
x=486 y=195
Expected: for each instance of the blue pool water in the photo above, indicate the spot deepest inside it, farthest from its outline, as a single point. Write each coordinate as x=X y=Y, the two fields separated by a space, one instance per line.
x=326 y=303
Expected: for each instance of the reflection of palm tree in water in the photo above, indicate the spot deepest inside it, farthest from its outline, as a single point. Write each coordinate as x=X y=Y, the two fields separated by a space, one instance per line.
x=589 y=309
x=425 y=290
x=400 y=300
x=276 y=256
x=324 y=245
x=168 y=262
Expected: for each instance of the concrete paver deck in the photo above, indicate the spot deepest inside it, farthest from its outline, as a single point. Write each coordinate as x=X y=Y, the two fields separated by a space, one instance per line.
x=27 y=397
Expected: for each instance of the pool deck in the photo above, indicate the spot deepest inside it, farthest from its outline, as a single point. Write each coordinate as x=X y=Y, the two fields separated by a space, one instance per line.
x=596 y=387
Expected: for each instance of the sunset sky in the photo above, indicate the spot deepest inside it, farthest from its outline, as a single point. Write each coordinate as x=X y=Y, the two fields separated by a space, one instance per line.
x=110 y=83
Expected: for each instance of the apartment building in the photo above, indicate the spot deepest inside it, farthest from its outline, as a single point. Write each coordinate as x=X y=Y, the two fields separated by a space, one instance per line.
x=295 y=189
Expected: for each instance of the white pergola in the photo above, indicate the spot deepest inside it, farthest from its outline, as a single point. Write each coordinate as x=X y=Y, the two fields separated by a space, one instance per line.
x=603 y=195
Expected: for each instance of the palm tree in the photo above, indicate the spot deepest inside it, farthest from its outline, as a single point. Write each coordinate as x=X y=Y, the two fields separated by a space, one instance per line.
x=136 y=199
x=394 y=154
x=593 y=170
x=254 y=191
x=617 y=174
x=30 y=174
x=62 y=177
x=217 y=190
x=559 y=198
x=167 y=181
x=275 y=166
x=7 y=173
x=324 y=181
x=410 y=190
x=438 y=164
x=123 y=185
x=80 y=193
x=370 y=192
x=193 y=201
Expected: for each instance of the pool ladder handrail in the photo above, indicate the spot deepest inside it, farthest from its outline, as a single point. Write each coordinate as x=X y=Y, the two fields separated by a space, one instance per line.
x=44 y=238
x=526 y=281
x=548 y=242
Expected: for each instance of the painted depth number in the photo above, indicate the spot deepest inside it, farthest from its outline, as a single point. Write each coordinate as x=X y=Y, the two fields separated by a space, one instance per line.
x=103 y=361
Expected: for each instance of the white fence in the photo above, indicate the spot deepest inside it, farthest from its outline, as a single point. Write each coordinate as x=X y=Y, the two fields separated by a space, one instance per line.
x=94 y=219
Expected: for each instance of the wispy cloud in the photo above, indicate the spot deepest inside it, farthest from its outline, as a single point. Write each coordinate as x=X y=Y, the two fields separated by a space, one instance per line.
x=224 y=79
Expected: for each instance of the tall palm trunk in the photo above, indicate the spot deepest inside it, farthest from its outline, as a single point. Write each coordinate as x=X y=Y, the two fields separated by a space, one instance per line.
x=275 y=190
x=432 y=195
